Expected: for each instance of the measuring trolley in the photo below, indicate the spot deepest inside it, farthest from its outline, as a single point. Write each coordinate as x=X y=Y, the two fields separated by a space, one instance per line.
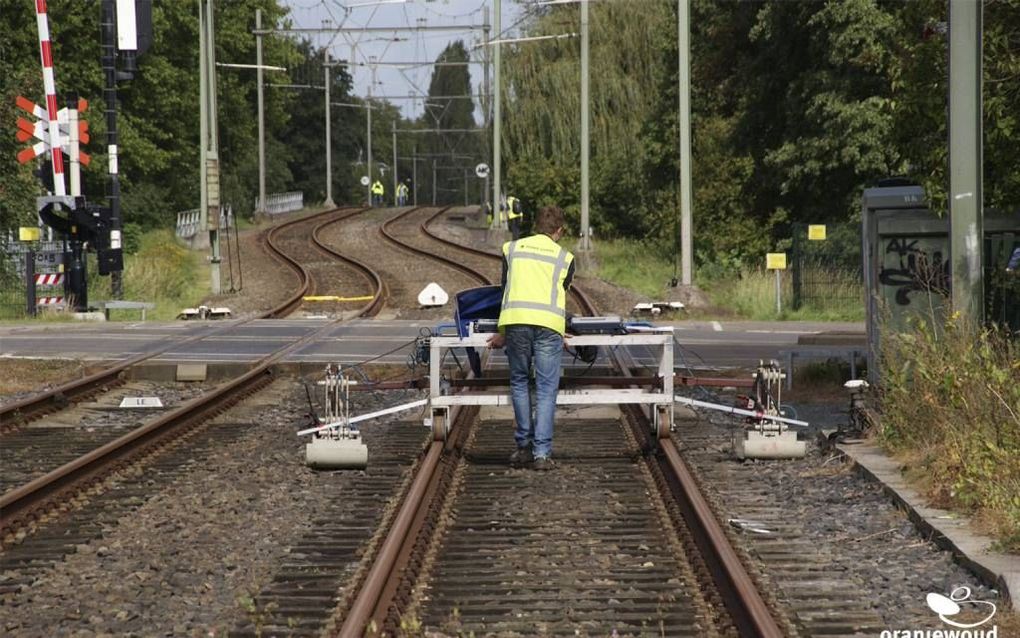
x=584 y=333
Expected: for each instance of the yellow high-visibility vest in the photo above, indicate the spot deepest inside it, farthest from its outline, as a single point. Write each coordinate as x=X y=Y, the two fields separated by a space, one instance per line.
x=377 y=188
x=534 y=295
x=511 y=204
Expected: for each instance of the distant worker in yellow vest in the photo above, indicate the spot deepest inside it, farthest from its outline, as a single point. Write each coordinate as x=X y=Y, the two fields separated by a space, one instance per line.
x=514 y=216
x=402 y=194
x=536 y=277
x=378 y=190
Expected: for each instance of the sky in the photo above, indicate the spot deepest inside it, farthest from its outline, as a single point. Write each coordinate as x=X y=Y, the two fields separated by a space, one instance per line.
x=405 y=46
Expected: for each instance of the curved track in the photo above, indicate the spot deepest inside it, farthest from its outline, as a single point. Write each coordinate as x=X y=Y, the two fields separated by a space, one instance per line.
x=23 y=507
x=17 y=413
x=422 y=547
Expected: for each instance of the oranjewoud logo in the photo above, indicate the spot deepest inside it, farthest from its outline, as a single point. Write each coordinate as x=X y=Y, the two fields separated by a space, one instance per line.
x=951 y=606
x=948 y=607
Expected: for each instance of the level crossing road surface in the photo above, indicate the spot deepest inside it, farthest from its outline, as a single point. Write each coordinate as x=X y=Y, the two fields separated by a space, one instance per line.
x=703 y=344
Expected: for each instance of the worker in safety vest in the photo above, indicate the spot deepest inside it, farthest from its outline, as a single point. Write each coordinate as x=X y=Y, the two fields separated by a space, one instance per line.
x=402 y=194
x=378 y=190
x=536 y=277
x=514 y=215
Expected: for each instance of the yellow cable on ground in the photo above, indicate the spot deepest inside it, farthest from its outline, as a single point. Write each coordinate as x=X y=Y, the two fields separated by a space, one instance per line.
x=335 y=298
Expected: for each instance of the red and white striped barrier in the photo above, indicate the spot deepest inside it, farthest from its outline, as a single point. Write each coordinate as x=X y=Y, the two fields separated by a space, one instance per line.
x=49 y=301
x=49 y=279
x=46 y=54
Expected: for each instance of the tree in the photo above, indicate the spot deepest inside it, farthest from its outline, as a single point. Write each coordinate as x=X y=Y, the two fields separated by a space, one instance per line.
x=158 y=114
x=449 y=106
x=541 y=134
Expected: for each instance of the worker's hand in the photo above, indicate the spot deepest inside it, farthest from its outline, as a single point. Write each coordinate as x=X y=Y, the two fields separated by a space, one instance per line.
x=496 y=341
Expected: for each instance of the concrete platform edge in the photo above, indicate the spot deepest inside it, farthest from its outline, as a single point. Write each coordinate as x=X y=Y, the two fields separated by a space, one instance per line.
x=947 y=530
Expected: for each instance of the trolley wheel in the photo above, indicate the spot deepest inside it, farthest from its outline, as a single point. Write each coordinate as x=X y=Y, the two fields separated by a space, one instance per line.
x=440 y=427
x=662 y=423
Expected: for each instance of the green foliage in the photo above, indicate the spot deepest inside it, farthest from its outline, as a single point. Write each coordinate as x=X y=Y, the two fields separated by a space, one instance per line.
x=132 y=238
x=542 y=112
x=443 y=110
x=796 y=107
x=160 y=271
x=631 y=264
x=951 y=407
x=751 y=294
x=158 y=118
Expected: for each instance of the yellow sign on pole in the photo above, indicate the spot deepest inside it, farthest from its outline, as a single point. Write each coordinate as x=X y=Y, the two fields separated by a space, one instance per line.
x=775 y=261
x=28 y=233
x=816 y=232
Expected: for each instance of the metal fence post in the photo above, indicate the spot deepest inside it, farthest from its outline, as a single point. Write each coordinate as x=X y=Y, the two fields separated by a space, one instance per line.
x=30 y=282
x=797 y=264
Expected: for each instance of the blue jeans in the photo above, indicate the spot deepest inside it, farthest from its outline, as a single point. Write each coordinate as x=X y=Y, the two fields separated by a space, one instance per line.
x=526 y=346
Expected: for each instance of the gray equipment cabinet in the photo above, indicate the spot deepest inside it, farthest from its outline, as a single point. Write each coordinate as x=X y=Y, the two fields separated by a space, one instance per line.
x=907 y=263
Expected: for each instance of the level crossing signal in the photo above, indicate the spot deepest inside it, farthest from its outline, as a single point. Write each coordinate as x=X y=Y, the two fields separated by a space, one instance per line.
x=28 y=130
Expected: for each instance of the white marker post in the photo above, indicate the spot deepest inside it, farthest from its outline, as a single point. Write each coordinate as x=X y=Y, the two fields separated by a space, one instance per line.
x=777 y=262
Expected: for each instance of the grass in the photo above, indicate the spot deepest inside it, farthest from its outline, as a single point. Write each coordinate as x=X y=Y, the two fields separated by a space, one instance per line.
x=951 y=415
x=631 y=265
x=750 y=294
x=162 y=272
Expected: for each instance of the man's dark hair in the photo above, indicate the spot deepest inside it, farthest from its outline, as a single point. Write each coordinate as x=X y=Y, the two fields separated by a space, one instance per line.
x=549 y=219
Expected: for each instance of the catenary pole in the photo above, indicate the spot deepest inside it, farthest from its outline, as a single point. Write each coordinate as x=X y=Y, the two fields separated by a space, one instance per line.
x=203 y=121
x=327 y=81
x=686 y=229
x=585 y=117
x=393 y=129
x=497 y=113
x=369 y=135
x=262 y=115
x=966 y=215
x=212 y=157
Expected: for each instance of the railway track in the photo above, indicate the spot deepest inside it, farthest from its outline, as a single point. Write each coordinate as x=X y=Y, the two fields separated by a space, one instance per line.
x=815 y=594
x=26 y=507
x=445 y=543
x=397 y=588
x=16 y=414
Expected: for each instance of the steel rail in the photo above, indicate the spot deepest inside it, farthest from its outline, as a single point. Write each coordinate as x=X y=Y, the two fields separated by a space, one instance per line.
x=21 y=503
x=582 y=299
x=378 y=588
x=16 y=413
x=368 y=611
x=387 y=233
x=374 y=306
x=294 y=301
x=743 y=601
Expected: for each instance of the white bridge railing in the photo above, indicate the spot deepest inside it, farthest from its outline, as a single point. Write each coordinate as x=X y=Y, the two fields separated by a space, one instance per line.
x=189 y=222
x=283 y=202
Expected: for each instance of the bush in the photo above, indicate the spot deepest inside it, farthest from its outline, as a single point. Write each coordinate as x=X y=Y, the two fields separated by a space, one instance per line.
x=161 y=271
x=951 y=409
